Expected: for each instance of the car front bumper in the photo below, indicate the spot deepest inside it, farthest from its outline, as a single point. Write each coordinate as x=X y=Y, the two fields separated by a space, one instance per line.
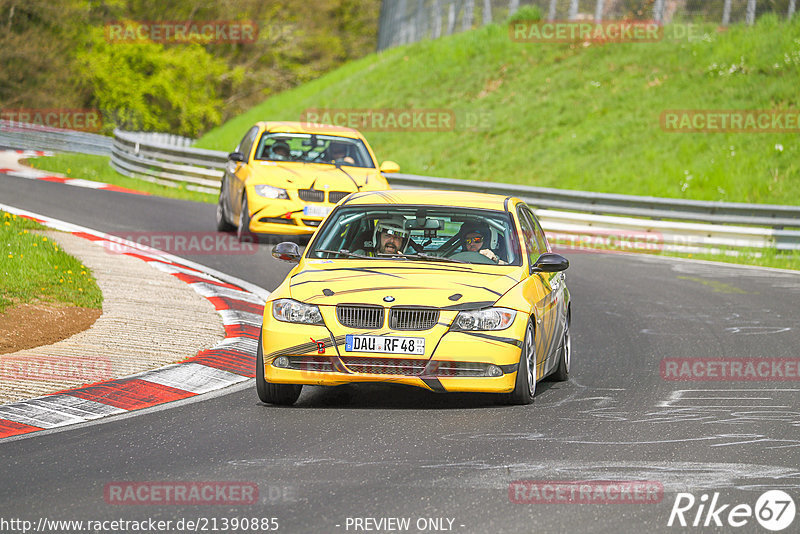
x=453 y=361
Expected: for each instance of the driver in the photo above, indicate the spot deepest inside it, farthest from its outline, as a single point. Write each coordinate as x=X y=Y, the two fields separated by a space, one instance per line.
x=475 y=238
x=390 y=237
x=279 y=151
x=338 y=153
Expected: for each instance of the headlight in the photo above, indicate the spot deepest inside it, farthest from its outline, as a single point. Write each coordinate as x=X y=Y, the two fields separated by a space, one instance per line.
x=488 y=319
x=291 y=311
x=267 y=191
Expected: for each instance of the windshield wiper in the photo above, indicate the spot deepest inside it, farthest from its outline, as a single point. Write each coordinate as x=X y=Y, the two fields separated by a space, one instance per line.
x=345 y=252
x=423 y=256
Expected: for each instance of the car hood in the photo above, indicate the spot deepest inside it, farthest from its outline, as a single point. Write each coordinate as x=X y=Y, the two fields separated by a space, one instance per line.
x=408 y=283
x=305 y=175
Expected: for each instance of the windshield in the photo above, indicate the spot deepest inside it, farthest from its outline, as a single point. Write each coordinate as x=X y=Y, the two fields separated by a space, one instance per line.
x=311 y=148
x=411 y=232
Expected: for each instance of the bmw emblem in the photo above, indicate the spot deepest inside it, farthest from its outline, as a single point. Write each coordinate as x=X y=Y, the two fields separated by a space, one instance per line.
x=388 y=298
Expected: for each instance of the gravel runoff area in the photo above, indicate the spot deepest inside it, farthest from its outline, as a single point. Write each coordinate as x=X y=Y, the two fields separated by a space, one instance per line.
x=149 y=319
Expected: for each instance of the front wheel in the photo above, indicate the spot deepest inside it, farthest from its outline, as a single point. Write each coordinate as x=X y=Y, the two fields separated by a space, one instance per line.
x=243 y=231
x=564 y=358
x=222 y=223
x=525 y=386
x=283 y=394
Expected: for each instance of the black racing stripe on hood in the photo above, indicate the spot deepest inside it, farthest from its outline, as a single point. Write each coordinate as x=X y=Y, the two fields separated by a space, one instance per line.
x=356 y=269
x=454 y=268
x=468 y=306
x=364 y=289
x=484 y=288
x=326 y=280
x=509 y=340
x=287 y=169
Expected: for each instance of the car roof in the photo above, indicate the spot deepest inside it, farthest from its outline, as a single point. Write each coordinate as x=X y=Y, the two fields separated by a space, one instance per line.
x=309 y=128
x=432 y=197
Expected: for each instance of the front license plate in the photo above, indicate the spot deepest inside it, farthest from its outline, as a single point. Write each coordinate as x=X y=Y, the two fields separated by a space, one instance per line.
x=316 y=211
x=387 y=344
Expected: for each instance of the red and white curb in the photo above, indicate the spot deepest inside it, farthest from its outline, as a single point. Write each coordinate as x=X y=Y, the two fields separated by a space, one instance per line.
x=34 y=174
x=231 y=361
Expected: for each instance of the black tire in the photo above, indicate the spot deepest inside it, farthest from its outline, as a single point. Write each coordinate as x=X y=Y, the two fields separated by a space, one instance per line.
x=283 y=394
x=243 y=230
x=525 y=386
x=222 y=223
x=565 y=356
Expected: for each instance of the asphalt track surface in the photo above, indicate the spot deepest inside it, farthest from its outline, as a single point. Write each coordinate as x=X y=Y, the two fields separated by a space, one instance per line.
x=381 y=451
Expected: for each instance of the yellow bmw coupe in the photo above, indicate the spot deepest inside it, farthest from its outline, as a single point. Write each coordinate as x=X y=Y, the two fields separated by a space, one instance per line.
x=284 y=177
x=444 y=290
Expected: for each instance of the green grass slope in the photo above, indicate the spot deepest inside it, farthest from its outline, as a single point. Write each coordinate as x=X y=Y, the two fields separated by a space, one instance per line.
x=576 y=116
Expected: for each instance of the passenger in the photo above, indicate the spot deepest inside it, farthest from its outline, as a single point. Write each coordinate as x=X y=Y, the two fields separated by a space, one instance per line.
x=475 y=238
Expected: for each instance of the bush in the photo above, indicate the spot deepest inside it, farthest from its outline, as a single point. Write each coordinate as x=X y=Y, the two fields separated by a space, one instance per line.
x=147 y=86
x=526 y=14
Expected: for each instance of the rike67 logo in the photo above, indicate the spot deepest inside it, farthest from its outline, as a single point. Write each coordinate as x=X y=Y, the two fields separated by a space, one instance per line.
x=774 y=510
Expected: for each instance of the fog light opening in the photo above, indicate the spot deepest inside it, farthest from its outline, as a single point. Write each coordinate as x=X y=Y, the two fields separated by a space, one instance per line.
x=494 y=371
x=281 y=361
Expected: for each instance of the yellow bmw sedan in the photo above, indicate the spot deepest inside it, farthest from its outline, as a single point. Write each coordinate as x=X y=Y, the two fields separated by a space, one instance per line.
x=443 y=290
x=284 y=177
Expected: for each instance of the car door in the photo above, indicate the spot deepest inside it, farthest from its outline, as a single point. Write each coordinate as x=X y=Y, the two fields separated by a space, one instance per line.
x=238 y=173
x=537 y=290
x=557 y=282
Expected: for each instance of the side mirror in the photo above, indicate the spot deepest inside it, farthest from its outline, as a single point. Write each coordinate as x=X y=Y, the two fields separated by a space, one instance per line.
x=389 y=166
x=236 y=156
x=287 y=251
x=550 y=262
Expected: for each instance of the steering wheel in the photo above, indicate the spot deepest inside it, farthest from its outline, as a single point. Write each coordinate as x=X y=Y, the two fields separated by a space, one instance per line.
x=472 y=257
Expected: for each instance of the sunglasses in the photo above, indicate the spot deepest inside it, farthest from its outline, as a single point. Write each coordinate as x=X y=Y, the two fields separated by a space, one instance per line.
x=471 y=240
x=393 y=233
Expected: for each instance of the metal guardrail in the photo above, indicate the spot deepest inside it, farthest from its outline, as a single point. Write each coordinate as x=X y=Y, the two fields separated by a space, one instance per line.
x=677 y=224
x=776 y=216
x=34 y=137
x=138 y=155
x=711 y=223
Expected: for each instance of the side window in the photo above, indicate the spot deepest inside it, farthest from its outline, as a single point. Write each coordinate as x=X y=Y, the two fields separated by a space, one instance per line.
x=537 y=229
x=247 y=142
x=529 y=235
